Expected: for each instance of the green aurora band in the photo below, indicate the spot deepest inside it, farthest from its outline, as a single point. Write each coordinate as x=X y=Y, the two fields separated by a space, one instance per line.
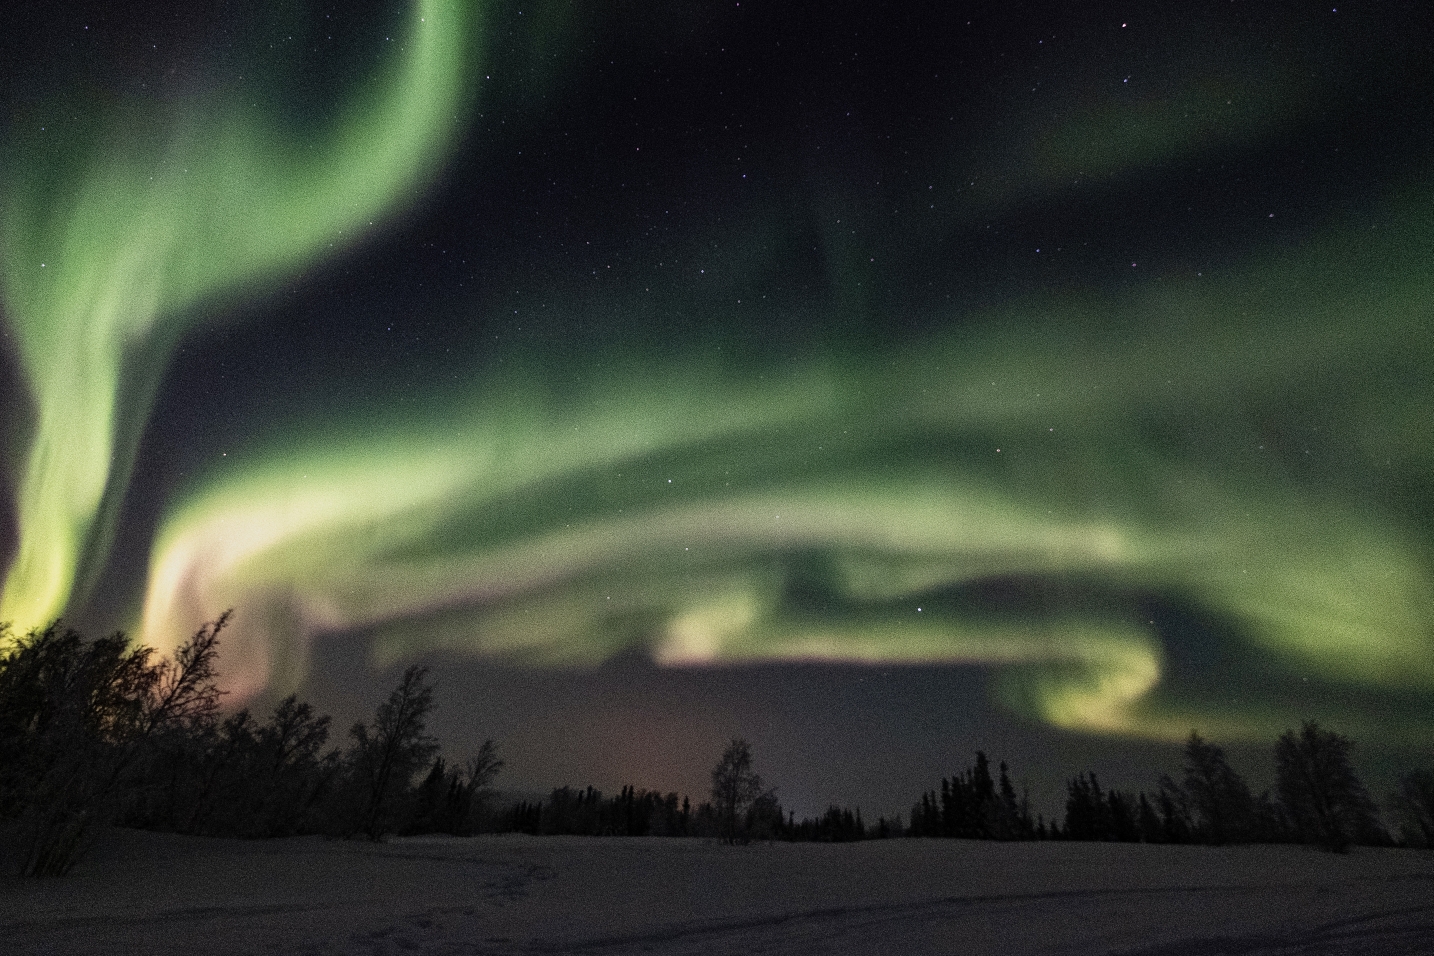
x=103 y=270
x=832 y=510
x=846 y=507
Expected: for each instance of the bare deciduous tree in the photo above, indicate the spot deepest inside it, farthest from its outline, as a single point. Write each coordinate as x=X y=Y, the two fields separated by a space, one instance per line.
x=735 y=787
x=1319 y=790
x=1413 y=803
x=387 y=753
x=78 y=721
x=1218 y=798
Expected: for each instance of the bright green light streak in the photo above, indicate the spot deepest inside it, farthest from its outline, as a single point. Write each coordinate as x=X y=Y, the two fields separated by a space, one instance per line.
x=166 y=216
x=690 y=555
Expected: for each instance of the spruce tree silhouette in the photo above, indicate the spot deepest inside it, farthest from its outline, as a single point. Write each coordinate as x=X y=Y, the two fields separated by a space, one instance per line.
x=1123 y=816
x=1087 y=812
x=983 y=798
x=1175 y=825
x=1148 y=822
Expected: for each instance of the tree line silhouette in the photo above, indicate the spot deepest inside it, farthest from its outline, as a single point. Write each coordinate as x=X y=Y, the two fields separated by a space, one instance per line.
x=1318 y=799
x=974 y=806
x=100 y=732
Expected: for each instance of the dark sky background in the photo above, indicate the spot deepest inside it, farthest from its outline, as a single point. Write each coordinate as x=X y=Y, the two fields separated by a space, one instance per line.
x=1098 y=333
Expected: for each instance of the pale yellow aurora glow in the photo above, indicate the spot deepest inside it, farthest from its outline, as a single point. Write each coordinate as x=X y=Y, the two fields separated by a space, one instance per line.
x=162 y=215
x=637 y=519
x=843 y=507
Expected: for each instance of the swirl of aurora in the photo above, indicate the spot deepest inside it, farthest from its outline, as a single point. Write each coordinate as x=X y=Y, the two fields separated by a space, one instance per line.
x=166 y=209
x=830 y=444
x=851 y=508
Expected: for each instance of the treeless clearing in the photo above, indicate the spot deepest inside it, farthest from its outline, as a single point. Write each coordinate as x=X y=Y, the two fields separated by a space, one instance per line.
x=148 y=893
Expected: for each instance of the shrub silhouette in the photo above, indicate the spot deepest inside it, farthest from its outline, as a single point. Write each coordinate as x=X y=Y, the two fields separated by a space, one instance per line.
x=80 y=724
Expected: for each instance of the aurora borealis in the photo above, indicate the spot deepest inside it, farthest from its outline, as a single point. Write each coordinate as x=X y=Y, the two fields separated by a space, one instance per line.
x=685 y=517
x=1090 y=354
x=107 y=245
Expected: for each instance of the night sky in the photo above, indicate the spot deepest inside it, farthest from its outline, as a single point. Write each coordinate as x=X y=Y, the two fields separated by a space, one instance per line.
x=876 y=381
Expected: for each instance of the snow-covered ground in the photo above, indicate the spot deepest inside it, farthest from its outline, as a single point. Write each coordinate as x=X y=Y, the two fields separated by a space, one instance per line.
x=154 y=894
